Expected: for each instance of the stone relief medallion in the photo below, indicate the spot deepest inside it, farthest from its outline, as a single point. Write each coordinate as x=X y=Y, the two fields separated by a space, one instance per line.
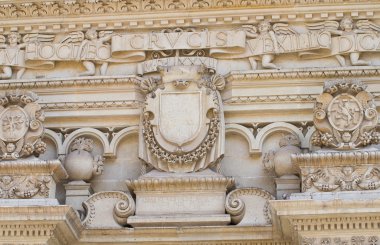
x=345 y=112
x=14 y=122
x=182 y=124
x=21 y=125
x=345 y=116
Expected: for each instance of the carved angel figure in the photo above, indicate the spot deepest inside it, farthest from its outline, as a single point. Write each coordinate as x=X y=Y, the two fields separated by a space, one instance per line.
x=90 y=38
x=348 y=29
x=12 y=51
x=267 y=32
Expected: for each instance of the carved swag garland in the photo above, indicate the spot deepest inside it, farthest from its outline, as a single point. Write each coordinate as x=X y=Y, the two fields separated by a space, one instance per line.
x=180 y=157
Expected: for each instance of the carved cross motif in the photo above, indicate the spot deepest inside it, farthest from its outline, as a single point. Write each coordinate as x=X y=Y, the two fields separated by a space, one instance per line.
x=13 y=123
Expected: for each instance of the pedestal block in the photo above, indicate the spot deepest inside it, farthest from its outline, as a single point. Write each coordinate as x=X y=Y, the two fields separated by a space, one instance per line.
x=180 y=199
x=30 y=178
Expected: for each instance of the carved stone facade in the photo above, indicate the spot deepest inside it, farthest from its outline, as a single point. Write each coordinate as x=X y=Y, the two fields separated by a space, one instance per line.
x=190 y=122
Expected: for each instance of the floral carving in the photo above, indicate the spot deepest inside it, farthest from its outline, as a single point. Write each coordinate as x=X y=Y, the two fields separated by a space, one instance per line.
x=24 y=187
x=345 y=178
x=176 y=4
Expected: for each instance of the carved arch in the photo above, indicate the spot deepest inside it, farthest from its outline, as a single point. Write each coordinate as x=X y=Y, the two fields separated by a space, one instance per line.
x=245 y=132
x=256 y=144
x=120 y=135
x=87 y=131
x=308 y=135
x=279 y=126
x=56 y=139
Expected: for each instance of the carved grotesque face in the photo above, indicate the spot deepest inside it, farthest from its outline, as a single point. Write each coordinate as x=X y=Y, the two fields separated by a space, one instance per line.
x=347 y=24
x=347 y=171
x=11 y=147
x=264 y=27
x=91 y=34
x=346 y=137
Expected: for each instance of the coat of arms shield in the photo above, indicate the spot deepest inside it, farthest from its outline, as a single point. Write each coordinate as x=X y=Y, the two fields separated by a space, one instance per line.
x=182 y=124
x=180 y=116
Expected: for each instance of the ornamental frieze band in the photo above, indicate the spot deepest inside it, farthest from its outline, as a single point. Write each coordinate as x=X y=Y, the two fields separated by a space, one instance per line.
x=262 y=42
x=190 y=122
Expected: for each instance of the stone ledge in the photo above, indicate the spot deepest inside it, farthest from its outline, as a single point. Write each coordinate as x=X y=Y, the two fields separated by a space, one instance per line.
x=175 y=221
x=302 y=73
x=342 y=195
x=68 y=82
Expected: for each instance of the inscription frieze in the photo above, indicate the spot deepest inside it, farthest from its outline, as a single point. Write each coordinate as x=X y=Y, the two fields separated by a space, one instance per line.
x=259 y=44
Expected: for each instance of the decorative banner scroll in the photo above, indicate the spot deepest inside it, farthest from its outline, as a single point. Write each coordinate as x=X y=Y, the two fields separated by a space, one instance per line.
x=355 y=43
x=346 y=44
x=15 y=57
x=291 y=43
x=69 y=51
x=153 y=65
x=221 y=44
x=134 y=45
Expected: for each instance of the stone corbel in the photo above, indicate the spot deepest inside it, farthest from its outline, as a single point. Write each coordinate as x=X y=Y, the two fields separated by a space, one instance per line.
x=108 y=209
x=249 y=207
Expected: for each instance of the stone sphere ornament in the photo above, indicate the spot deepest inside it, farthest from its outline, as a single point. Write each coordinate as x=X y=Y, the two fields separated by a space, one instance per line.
x=80 y=164
x=280 y=161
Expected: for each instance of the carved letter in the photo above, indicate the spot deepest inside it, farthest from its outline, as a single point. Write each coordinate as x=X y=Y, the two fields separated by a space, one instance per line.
x=11 y=59
x=153 y=39
x=222 y=38
x=172 y=40
x=137 y=42
x=103 y=52
x=194 y=44
x=63 y=51
x=345 y=44
x=367 y=42
x=46 y=50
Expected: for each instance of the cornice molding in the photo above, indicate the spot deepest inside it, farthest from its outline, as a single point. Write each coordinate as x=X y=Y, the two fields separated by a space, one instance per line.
x=128 y=104
x=305 y=73
x=36 y=8
x=69 y=82
x=40 y=223
x=70 y=15
x=239 y=100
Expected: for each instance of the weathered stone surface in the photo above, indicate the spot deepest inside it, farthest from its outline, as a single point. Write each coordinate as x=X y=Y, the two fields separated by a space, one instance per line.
x=180 y=98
